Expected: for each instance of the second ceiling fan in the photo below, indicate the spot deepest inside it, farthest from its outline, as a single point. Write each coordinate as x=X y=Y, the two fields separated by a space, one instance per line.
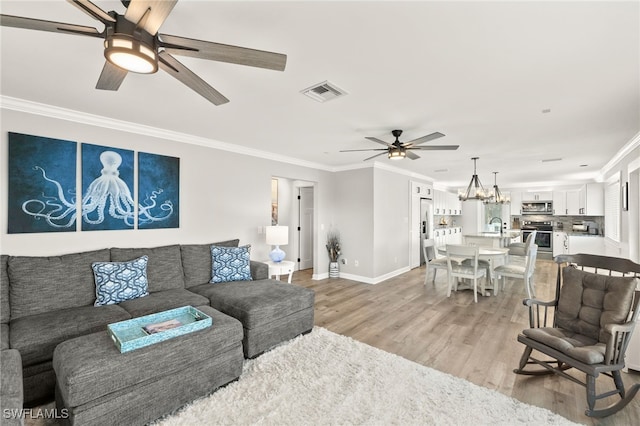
x=399 y=150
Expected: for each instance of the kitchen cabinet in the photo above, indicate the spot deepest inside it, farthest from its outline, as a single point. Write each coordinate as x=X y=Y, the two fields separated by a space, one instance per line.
x=586 y=244
x=444 y=236
x=573 y=202
x=594 y=203
x=537 y=196
x=586 y=201
x=516 y=203
x=446 y=204
x=422 y=190
x=559 y=199
x=560 y=243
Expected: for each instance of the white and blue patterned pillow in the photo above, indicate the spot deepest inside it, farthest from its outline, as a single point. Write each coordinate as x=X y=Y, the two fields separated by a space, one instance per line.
x=120 y=281
x=230 y=264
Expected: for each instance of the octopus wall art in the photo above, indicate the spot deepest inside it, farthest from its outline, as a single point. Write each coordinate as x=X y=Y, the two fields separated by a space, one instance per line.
x=48 y=202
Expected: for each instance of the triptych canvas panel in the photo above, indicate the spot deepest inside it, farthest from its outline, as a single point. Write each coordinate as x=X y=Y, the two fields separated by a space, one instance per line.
x=43 y=196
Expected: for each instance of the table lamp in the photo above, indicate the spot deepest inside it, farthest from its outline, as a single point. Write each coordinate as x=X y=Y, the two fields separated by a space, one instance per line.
x=277 y=236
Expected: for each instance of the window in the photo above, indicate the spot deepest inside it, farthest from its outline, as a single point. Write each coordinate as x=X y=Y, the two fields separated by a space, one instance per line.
x=612 y=208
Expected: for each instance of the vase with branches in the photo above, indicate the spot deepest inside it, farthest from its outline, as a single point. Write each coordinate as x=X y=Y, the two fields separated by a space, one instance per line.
x=334 y=251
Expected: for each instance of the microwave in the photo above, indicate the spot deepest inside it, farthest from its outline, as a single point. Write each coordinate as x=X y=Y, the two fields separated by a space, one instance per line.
x=537 y=207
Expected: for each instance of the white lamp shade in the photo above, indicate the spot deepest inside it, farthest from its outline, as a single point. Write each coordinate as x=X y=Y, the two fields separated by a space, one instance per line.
x=277 y=235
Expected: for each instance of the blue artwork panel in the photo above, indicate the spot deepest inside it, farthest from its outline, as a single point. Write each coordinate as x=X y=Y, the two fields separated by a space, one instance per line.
x=42 y=184
x=107 y=188
x=158 y=191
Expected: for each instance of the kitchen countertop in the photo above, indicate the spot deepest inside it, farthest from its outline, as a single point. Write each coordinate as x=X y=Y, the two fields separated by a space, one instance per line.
x=509 y=233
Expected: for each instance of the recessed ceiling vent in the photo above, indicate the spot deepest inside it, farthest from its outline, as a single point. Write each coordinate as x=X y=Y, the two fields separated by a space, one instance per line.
x=323 y=92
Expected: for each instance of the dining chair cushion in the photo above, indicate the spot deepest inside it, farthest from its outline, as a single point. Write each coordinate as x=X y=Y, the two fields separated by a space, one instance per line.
x=510 y=268
x=466 y=270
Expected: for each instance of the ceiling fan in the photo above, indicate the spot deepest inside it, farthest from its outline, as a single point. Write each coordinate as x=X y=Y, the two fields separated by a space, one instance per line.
x=132 y=43
x=399 y=150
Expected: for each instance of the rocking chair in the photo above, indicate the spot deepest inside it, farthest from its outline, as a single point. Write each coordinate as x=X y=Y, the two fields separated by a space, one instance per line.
x=593 y=318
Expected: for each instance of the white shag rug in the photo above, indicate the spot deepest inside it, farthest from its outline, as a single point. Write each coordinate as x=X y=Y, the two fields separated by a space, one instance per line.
x=325 y=378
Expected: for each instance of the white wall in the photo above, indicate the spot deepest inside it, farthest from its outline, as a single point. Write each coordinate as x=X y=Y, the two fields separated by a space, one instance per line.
x=391 y=195
x=629 y=245
x=353 y=213
x=223 y=195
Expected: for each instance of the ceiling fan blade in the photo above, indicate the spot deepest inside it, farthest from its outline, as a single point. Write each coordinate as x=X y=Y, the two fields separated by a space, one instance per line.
x=358 y=150
x=424 y=139
x=40 y=25
x=111 y=77
x=412 y=155
x=378 y=141
x=158 y=12
x=172 y=66
x=92 y=10
x=436 y=147
x=223 y=52
x=377 y=155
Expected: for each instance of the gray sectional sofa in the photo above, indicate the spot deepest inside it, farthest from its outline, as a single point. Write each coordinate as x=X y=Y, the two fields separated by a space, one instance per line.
x=46 y=301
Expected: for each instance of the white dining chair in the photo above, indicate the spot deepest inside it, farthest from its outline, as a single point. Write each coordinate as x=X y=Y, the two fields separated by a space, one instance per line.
x=470 y=270
x=518 y=270
x=435 y=263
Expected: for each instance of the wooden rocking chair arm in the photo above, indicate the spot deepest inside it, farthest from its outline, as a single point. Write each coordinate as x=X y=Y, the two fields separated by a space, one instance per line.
x=539 y=312
x=620 y=336
x=619 y=328
x=531 y=302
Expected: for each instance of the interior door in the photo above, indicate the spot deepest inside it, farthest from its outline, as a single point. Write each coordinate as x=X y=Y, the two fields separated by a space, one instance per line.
x=305 y=227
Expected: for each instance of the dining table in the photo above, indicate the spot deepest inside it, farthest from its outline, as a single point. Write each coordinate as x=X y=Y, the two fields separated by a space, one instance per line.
x=494 y=256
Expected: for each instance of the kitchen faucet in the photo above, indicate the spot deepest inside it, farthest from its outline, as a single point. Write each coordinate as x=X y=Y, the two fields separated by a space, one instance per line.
x=499 y=221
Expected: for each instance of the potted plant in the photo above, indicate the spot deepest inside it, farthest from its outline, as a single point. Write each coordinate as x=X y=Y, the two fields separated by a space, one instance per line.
x=333 y=249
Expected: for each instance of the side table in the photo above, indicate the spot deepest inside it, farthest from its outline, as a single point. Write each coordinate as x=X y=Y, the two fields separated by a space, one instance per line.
x=280 y=268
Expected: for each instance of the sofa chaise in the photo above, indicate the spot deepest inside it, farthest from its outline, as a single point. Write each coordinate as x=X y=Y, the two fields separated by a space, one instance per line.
x=46 y=301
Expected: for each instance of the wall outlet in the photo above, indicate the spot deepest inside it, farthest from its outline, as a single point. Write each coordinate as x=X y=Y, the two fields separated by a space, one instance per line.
x=355 y=263
x=395 y=260
x=344 y=261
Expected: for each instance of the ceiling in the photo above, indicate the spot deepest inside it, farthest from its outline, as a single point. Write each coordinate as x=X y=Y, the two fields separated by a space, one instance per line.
x=480 y=72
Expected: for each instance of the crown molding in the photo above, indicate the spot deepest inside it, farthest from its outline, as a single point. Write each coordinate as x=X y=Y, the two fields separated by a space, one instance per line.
x=624 y=151
x=51 y=111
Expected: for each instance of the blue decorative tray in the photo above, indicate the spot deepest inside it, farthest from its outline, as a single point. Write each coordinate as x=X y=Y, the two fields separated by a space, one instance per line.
x=144 y=331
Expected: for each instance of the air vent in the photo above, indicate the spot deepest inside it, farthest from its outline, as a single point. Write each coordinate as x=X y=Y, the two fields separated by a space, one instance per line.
x=323 y=92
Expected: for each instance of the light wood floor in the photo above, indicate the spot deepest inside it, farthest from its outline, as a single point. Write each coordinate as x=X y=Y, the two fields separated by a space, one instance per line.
x=476 y=342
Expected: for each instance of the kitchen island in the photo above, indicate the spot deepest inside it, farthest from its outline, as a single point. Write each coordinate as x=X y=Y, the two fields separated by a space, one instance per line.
x=493 y=239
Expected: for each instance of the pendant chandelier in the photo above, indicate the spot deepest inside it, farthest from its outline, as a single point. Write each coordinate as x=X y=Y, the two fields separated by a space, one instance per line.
x=475 y=190
x=496 y=196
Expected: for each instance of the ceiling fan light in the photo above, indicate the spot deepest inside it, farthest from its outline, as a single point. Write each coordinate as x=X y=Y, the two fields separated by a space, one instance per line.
x=130 y=54
x=397 y=155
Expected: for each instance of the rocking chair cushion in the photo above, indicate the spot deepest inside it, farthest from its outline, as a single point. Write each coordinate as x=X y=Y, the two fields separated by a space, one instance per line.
x=577 y=346
x=588 y=301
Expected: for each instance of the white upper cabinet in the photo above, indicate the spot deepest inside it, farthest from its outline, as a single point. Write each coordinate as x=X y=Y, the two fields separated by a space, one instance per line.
x=595 y=199
x=446 y=204
x=573 y=202
x=559 y=199
x=537 y=196
x=422 y=190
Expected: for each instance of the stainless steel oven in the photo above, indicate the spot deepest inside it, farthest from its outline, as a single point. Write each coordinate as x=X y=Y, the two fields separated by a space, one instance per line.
x=544 y=236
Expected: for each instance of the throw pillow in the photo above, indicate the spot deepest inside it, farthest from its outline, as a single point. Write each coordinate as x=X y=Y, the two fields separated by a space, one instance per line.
x=230 y=264
x=120 y=281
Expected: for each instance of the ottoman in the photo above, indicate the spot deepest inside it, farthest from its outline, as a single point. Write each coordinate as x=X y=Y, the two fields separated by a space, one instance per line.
x=98 y=385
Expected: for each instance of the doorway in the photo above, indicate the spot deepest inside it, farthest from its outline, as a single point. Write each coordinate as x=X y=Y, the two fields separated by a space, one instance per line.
x=305 y=227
